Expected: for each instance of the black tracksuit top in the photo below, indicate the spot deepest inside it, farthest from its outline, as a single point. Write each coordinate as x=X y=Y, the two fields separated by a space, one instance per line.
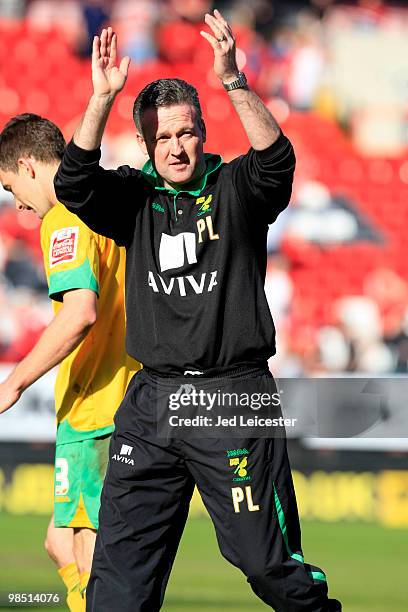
x=196 y=260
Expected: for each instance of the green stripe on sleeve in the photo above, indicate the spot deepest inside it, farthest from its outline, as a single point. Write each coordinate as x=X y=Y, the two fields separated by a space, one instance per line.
x=81 y=277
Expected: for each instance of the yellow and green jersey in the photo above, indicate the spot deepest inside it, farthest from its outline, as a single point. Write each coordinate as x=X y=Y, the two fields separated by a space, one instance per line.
x=92 y=380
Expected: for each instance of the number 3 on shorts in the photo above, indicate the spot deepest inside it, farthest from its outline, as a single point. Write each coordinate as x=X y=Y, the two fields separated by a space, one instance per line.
x=61 y=476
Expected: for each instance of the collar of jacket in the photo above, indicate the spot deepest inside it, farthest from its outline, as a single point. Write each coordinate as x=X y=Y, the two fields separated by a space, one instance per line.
x=213 y=162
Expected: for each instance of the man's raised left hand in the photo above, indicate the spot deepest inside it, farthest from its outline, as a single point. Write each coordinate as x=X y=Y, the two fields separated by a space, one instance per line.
x=223 y=44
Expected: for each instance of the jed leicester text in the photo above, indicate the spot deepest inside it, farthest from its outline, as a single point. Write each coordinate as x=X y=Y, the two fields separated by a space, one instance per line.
x=234 y=421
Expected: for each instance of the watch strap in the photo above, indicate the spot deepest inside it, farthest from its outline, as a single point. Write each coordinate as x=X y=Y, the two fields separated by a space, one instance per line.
x=239 y=83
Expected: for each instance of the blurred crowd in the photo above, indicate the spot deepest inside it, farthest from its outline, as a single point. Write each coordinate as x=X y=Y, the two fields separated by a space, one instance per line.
x=342 y=61
x=24 y=308
x=367 y=334
x=326 y=55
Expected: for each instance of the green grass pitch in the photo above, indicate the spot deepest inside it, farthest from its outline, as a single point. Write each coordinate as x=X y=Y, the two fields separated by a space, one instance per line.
x=366 y=566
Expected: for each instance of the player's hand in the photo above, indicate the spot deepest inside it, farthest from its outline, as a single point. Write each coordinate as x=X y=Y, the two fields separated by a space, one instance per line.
x=107 y=78
x=223 y=44
x=8 y=396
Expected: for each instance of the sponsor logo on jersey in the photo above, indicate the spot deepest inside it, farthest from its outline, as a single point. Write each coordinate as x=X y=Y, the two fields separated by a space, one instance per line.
x=126 y=450
x=63 y=246
x=174 y=250
x=180 y=284
x=179 y=251
x=123 y=459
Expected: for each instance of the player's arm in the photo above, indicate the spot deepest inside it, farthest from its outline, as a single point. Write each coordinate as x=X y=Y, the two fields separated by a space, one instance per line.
x=97 y=196
x=262 y=178
x=66 y=330
x=108 y=80
x=259 y=124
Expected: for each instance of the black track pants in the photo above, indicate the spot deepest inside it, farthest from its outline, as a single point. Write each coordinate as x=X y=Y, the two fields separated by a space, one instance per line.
x=246 y=486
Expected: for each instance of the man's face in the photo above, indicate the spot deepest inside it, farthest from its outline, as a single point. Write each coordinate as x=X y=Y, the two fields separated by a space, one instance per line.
x=173 y=137
x=26 y=189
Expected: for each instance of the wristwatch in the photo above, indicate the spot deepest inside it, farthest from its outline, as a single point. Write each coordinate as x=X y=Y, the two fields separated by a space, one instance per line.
x=239 y=83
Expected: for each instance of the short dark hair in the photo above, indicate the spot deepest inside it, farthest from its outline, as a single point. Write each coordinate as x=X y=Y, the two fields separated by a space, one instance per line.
x=165 y=92
x=30 y=135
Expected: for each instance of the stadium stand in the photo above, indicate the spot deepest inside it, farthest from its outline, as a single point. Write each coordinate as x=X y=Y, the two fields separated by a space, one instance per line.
x=350 y=200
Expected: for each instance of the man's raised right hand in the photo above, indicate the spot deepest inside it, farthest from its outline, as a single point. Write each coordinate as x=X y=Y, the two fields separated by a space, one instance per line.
x=108 y=79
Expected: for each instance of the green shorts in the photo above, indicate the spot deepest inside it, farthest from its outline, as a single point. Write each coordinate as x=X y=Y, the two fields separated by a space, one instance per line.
x=80 y=468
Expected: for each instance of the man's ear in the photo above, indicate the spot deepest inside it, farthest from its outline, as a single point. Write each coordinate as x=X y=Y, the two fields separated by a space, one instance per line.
x=26 y=166
x=203 y=130
x=141 y=142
